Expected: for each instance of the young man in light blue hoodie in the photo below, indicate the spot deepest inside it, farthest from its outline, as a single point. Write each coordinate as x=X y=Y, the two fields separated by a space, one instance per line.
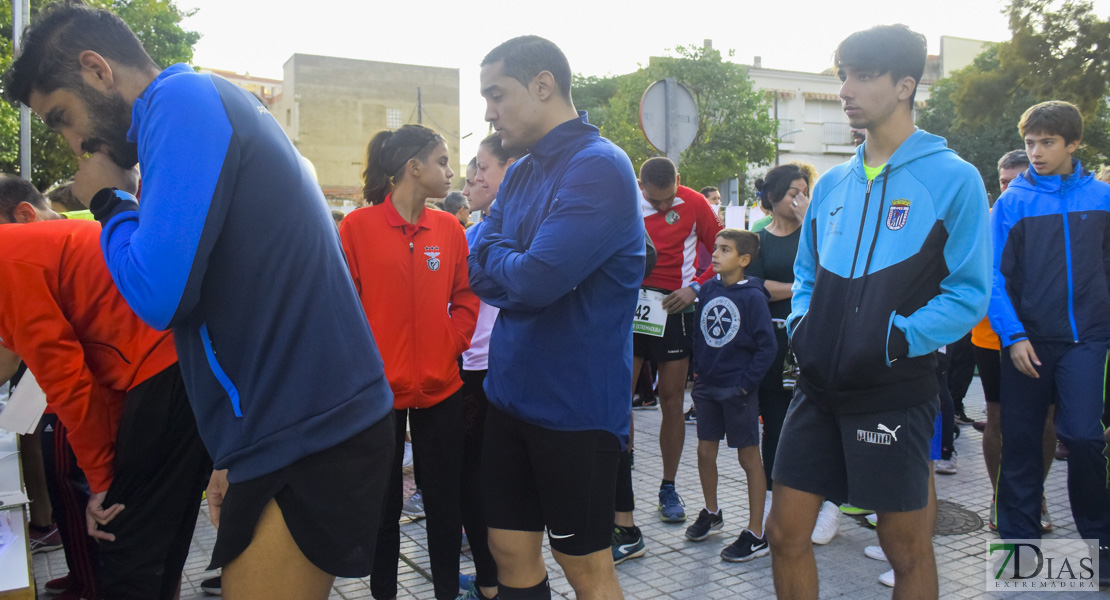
x=894 y=263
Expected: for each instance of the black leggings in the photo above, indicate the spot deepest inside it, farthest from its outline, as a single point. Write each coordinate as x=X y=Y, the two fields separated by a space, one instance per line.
x=773 y=402
x=436 y=440
x=473 y=515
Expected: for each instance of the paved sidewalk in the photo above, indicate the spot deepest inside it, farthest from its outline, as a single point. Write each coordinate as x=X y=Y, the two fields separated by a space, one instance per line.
x=677 y=568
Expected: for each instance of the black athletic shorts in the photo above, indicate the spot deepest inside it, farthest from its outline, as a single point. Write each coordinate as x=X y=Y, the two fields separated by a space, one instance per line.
x=875 y=460
x=564 y=481
x=989 y=363
x=677 y=342
x=331 y=502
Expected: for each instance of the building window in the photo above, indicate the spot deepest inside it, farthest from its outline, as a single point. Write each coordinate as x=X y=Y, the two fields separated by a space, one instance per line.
x=393 y=118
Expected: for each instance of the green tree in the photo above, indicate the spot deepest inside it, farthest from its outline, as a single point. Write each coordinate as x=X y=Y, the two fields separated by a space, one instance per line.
x=157 y=23
x=1057 y=51
x=735 y=127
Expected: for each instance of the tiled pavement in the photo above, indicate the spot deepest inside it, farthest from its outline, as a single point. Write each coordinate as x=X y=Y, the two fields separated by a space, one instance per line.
x=677 y=568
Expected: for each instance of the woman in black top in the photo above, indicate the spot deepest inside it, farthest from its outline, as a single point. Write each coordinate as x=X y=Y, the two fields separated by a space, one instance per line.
x=783 y=192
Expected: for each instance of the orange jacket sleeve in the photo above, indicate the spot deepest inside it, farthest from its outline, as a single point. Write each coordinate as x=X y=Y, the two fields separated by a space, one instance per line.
x=40 y=333
x=352 y=256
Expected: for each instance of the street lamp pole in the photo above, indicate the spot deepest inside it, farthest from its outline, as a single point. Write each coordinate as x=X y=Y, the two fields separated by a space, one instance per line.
x=21 y=10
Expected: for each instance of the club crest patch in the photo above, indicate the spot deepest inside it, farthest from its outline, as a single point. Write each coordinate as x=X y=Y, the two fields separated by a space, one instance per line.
x=897 y=215
x=433 y=257
x=672 y=217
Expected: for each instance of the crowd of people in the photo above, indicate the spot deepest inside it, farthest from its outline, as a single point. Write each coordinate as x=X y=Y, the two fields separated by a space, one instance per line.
x=213 y=323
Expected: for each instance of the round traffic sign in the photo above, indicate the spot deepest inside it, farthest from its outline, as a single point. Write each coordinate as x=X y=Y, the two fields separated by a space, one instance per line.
x=669 y=116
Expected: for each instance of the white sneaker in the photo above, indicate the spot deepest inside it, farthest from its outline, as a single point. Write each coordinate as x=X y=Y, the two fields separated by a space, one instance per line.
x=872 y=519
x=887 y=578
x=875 y=552
x=828 y=524
x=406 y=462
x=946 y=466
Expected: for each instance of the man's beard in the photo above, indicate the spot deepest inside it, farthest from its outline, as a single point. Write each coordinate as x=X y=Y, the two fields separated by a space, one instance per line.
x=110 y=119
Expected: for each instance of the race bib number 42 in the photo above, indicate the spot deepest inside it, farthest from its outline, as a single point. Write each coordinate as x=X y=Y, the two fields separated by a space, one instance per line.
x=650 y=318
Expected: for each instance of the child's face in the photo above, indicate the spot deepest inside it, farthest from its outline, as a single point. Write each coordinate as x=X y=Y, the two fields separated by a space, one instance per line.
x=726 y=261
x=1049 y=154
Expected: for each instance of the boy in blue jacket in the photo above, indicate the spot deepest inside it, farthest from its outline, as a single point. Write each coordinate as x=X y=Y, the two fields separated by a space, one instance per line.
x=734 y=344
x=1050 y=305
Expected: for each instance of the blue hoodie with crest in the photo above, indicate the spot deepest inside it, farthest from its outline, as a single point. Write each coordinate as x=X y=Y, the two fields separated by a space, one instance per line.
x=1051 y=251
x=888 y=271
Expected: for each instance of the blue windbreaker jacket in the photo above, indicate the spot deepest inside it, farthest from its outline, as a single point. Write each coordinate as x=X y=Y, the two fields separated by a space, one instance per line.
x=234 y=248
x=887 y=272
x=562 y=255
x=1052 y=259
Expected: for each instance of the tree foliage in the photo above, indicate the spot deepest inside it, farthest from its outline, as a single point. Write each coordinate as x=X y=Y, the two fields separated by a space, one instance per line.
x=157 y=23
x=1057 y=51
x=735 y=127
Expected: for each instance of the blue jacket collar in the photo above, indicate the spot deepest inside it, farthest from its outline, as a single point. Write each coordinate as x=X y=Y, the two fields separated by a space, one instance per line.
x=138 y=109
x=920 y=144
x=1052 y=183
x=553 y=146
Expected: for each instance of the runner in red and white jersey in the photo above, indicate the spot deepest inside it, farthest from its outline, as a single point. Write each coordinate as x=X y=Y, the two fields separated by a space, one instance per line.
x=678 y=219
x=677 y=227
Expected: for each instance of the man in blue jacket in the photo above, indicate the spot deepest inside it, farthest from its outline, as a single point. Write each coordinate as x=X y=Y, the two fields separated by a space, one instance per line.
x=233 y=248
x=1050 y=306
x=562 y=255
x=894 y=262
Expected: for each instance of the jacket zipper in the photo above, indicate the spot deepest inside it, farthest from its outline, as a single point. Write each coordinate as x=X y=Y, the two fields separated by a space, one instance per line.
x=851 y=274
x=1068 y=273
x=874 y=241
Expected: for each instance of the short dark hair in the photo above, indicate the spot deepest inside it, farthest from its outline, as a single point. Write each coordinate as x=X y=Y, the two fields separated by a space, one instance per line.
x=15 y=190
x=63 y=194
x=705 y=191
x=1054 y=117
x=658 y=172
x=772 y=187
x=53 y=41
x=1013 y=159
x=746 y=242
x=894 y=49
x=453 y=202
x=526 y=56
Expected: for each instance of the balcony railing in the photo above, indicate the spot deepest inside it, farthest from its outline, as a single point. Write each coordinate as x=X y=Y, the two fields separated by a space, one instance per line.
x=786 y=130
x=838 y=134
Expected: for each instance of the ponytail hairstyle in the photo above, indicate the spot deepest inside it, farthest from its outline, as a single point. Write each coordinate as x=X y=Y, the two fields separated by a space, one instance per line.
x=388 y=154
x=772 y=187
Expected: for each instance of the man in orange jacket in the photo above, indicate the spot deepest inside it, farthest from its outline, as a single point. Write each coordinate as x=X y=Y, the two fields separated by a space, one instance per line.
x=115 y=385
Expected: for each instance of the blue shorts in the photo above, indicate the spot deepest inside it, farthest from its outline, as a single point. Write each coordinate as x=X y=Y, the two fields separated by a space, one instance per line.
x=727 y=411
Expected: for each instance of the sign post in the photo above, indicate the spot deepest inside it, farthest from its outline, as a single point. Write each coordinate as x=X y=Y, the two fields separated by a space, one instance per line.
x=669 y=117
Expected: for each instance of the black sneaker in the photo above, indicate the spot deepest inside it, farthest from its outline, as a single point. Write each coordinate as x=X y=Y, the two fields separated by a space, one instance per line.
x=745 y=548
x=212 y=586
x=641 y=403
x=963 y=419
x=691 y=416
x=706 y=524
x=627 y=543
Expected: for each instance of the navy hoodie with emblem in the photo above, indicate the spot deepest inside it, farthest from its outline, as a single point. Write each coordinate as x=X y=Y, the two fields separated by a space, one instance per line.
x=734 y=339
x=888 y=271
x=234 y=248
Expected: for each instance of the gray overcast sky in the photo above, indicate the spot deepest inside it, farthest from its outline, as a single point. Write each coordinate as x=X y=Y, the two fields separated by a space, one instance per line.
x=599 y=37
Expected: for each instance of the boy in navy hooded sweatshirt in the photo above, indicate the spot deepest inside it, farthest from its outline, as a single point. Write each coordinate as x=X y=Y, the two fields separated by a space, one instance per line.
x=734 y=344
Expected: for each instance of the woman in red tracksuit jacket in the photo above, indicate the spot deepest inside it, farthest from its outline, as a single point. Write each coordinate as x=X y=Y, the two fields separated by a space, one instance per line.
x=409 y=267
